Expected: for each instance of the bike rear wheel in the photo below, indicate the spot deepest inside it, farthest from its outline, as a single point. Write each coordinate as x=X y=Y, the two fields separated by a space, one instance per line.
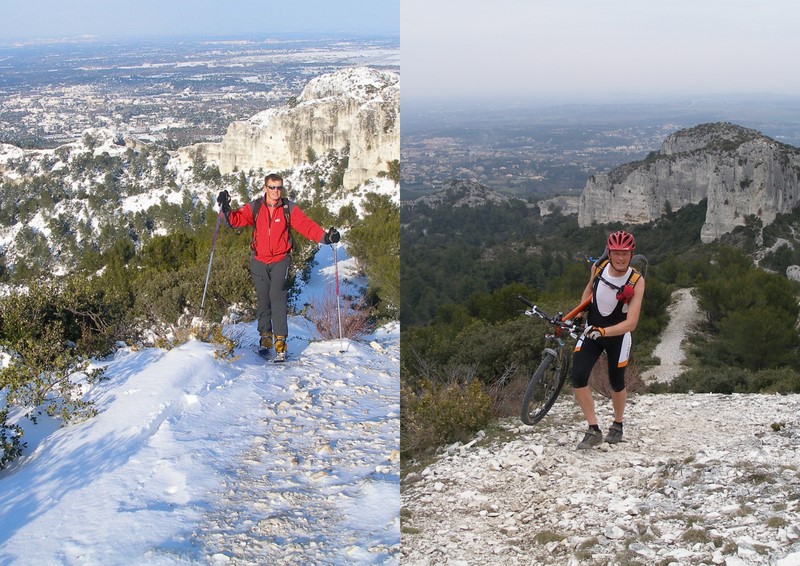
x=543 y=388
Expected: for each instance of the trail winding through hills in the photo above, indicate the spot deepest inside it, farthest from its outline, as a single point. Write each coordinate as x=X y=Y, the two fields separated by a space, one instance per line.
x=684 y=314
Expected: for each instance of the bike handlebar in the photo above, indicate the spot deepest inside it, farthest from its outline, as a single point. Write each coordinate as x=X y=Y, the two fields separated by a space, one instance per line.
x=559 y=320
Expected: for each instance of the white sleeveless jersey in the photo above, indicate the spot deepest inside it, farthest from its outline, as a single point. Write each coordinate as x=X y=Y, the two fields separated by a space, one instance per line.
x=607 y=295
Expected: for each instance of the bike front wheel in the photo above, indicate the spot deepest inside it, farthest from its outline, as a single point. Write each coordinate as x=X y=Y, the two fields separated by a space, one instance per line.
x=543 y=389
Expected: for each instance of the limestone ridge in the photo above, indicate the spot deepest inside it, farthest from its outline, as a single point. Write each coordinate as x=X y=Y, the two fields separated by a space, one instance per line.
x=740 y=171
x=357 y=106
x=459 y=192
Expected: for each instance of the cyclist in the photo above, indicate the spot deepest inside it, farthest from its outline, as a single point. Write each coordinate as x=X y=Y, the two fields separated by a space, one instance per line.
x=617 y=292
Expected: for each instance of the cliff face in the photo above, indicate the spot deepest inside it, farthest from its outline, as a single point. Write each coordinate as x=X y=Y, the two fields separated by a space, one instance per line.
x=740 y=172
x=359 y=107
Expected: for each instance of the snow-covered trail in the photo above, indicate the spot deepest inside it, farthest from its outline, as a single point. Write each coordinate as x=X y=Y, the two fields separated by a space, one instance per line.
x=197 y=460
x=321 y=483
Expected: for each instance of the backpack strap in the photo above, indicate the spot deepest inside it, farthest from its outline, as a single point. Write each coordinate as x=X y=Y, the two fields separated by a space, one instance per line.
x=632 y=278
x=599 y=266
x=287 y=214
x=287 y=211
x=255 y=207
x=622 y=295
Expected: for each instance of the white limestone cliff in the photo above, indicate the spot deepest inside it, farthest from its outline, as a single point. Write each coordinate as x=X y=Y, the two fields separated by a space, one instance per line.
x=359 y=107
x=740 y=172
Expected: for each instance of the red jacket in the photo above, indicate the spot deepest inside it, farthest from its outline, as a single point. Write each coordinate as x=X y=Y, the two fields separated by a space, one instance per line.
x=271 y=240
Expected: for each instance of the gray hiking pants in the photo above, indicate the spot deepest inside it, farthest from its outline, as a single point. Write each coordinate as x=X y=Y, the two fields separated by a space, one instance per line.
x=271 y=281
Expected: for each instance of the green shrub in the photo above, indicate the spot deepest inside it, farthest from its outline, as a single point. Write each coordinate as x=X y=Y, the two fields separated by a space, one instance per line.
x=40 y=377
x=50 y=333
x=738 y=380
x=713 y=380
x=165 y=296
x=781 y=380
x=374 y=241
x=438 y=414
x=11 y=445
x=498 y=348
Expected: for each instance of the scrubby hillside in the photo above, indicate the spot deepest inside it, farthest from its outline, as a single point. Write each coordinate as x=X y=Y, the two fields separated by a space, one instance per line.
x=58 y=206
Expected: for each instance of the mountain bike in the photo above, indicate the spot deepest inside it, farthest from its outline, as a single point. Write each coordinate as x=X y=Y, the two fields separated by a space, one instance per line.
x=548 y=379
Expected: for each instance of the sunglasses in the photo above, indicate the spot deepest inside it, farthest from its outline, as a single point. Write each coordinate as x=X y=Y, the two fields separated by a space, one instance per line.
x=275 y=187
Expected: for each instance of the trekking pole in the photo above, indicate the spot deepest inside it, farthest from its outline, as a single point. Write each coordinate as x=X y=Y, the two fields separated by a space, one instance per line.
x=338 y=302
x=210 y=259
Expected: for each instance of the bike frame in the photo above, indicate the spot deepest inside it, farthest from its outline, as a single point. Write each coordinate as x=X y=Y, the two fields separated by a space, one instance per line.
x=546 y=382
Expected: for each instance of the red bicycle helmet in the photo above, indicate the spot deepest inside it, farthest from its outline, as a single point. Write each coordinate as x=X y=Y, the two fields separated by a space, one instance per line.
x=621 y=240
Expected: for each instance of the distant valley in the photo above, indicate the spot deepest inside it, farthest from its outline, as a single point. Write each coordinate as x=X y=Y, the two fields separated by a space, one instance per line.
x=173 y=92
x=542 y=150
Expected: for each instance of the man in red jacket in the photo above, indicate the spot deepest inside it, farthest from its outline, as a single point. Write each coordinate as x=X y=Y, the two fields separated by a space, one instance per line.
x=272 y=216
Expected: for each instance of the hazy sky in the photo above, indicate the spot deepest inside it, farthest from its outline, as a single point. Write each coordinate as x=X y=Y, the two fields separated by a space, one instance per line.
x=126 y=18
x=596 y=48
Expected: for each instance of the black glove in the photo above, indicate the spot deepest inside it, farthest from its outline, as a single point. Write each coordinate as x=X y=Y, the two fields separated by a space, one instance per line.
x=331 y=236
x=224 y=201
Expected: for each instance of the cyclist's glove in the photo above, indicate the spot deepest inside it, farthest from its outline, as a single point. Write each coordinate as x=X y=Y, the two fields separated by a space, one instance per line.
x=595 y=332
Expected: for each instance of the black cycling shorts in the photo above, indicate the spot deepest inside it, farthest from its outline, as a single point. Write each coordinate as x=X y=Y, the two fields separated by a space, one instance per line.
x=587 y=352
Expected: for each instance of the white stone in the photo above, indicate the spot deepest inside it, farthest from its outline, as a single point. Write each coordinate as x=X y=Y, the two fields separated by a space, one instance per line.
x=614 y=532
x=642 y=549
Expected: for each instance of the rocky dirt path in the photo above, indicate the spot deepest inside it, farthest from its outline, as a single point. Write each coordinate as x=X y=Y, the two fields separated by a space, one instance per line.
x=684 y=314
x=699 y=479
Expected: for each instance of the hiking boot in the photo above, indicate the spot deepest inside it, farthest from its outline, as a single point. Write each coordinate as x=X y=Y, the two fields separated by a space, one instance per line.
x=280 y=349
x=614 y=434
x=266 y=341
x=591 y=439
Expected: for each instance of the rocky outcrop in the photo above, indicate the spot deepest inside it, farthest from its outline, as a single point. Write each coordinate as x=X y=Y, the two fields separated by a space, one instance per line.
x=458 y=192
x=357 y=107
x=562 y=204
x=740 y=171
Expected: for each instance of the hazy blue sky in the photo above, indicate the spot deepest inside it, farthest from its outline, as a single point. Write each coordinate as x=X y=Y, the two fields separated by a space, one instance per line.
x=597 y=48
x=127 y=18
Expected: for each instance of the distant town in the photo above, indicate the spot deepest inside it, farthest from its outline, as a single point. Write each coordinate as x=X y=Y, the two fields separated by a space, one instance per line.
x=172 y=92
